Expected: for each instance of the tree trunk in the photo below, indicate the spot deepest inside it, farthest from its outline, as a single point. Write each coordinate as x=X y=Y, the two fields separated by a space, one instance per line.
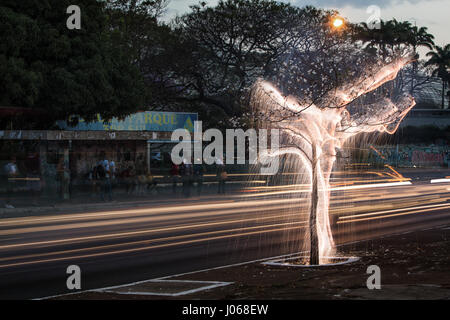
x=314 y=246
x=443 y=93
x=414 y=70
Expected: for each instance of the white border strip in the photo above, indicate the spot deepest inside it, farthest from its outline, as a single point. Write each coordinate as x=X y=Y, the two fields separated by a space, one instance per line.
x=286 y=264
x=211 y=285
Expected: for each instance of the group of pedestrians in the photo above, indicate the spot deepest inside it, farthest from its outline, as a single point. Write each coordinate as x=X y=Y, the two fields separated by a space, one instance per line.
x=138 y=181
x=135 y=179
x=102 y=176
x=190 y=173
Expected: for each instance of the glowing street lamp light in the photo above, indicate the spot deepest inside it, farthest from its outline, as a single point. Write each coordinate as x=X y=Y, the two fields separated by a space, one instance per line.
x=338 y=22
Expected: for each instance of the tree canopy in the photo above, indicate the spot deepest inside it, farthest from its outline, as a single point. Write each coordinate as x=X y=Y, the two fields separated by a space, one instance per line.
x=63 y=72
x=231 y=45
x=126 y=58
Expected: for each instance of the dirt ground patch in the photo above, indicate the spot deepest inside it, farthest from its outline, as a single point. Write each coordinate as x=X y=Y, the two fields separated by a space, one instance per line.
x=413 y=266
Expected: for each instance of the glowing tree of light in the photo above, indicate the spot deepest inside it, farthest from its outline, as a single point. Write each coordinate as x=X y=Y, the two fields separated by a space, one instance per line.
x=313 y=132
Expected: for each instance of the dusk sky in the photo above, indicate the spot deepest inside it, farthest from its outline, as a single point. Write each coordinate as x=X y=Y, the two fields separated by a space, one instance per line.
x=434 y=14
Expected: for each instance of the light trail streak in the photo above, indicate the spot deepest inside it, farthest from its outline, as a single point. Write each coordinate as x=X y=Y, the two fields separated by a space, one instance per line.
x=392 y=178
x=276 y=205
x=401 y=204
x=423 y=197
x=364 y=186
x=398 y=174
x=137 y=249
x=425 y=192
x=142 y=232
x=426 y=209
x=395 y=210
x=375 y=185
x=146 y=211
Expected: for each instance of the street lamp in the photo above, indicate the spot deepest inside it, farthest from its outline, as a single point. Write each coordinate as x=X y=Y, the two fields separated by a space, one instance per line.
x=338 y=22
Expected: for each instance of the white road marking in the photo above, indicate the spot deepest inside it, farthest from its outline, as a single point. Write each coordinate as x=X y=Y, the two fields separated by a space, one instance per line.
x=210 y=285
x=439 y=180
x=172 y=276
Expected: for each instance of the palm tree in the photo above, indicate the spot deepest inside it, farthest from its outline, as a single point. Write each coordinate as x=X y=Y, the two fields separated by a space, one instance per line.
x=418 y=37
x=376 y=37
x=394 y=34
x=440 y=58
x=401 y=31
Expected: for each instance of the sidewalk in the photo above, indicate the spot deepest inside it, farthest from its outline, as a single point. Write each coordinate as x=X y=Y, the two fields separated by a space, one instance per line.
x=121 y=200
x=424 y=174
x=82 y=202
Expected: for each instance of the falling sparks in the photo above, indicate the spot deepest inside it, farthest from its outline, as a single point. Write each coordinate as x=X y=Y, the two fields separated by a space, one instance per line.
x=312 y=132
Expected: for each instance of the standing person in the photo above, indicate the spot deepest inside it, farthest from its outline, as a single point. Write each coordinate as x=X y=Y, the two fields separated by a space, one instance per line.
x=63 y=177
x=11 y=173
x=221 y=176
x=97 y=173
x=33 y=176
x=60 y=168
x=107 y=187
x=182 y=172
x=151 y=182
x=133 y=180
x=142 y=181
x=198 y=176
x=112 y=169
x=190 y=175
x=125 y=176
x=93 y=177
x=101 y=179
x=174 y=172
x=129 y=176
x=187 y=178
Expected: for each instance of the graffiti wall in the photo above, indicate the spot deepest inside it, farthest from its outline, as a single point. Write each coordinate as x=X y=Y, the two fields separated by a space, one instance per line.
x=411 y=155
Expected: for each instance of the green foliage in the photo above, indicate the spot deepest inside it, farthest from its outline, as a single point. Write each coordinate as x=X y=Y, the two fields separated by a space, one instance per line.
x=63 y=72
x=230 y=46
x=146 y=43
x=124 y=58
x=440 y=60
x=393 y=35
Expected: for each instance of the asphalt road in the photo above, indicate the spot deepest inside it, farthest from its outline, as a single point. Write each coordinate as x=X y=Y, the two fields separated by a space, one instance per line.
x=125 y=245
